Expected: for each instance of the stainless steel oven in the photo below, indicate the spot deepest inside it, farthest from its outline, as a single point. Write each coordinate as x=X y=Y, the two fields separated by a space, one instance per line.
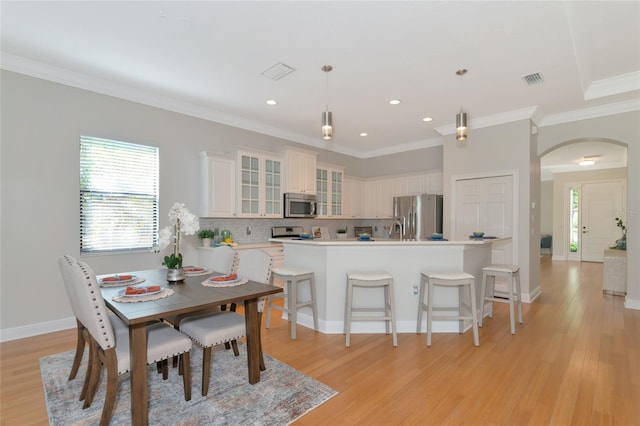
x=299 y=205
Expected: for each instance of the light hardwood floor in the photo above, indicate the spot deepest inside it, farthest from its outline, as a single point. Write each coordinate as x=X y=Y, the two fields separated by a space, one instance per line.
x=575 y=361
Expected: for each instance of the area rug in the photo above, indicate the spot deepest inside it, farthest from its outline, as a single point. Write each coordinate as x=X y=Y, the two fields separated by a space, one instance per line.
x=282 y=395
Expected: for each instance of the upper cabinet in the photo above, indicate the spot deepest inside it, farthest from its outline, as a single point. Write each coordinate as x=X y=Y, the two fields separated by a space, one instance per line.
x=300 y=171
x=217 y=185
x=329 y=190
x=259 y=184
x=353 y=197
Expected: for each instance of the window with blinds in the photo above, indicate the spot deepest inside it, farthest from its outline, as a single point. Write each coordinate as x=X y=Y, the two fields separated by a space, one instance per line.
x=118 y=196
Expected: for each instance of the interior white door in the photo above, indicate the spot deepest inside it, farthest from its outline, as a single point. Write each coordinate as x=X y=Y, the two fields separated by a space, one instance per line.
x=486 y=204
x=601 y=203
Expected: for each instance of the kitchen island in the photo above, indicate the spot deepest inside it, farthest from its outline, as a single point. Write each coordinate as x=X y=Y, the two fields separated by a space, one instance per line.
x=330 y=260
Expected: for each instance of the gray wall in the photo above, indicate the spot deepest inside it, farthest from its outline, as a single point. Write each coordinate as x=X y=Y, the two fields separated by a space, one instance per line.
x=546 y=207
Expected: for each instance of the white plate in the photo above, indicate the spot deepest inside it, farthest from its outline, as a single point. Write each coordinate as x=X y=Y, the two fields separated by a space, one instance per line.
x=235 y=280
x=122 y=292
x=118 y=281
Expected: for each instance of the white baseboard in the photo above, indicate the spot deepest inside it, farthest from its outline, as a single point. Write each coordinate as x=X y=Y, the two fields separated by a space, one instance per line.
x=37 y=329
x=631 y=303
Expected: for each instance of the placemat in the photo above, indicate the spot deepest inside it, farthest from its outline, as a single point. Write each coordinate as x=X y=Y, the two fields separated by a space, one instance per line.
x=138 y=280
x=124 y=299
x=206 y=271
x=208 y=283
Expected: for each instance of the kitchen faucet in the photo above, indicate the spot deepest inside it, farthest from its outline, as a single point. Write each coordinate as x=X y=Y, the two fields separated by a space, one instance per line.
x=398 y=222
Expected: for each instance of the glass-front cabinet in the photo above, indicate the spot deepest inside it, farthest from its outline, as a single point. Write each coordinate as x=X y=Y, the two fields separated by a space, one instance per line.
x=329 y=191
x=259 y=185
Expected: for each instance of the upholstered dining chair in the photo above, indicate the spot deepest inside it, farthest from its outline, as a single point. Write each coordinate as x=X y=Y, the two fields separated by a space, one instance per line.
x=222 y=259
x=83 y=338
x=110 y=348
x=211 y=329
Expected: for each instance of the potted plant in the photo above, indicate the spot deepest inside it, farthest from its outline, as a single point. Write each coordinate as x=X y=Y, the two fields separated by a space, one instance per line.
x=342 y=233
x=181 y=222
x=206 y=235
x=621 y=244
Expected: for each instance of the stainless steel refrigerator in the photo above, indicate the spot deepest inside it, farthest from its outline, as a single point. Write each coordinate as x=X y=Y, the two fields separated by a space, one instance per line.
x=416 y=217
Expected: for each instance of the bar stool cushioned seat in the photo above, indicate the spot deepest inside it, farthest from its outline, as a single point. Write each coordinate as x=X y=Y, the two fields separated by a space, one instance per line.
x=447 y=279
x=293 y=278
x=370 y=280
x=512 y=272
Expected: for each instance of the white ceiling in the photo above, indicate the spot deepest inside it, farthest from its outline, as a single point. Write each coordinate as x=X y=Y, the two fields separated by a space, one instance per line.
x=206 y=58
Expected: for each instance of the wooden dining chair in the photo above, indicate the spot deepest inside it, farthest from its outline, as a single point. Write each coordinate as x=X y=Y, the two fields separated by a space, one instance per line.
x=212 y=329
x=111 y=349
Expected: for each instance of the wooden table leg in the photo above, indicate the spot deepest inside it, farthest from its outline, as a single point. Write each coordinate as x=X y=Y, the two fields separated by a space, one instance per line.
x=138 y=373
x=253 y=339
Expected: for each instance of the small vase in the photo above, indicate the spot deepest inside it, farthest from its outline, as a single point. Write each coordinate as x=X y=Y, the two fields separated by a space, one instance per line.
x=206 y=242
x=621 y=244
x=175 y=274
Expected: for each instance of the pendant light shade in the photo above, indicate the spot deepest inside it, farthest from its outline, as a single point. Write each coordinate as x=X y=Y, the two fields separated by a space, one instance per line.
x=461 y=117
x=327 y=119
x=327 y=126
x=461 y=126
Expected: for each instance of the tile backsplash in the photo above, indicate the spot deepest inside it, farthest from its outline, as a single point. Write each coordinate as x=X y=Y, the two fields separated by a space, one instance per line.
x=261 y=228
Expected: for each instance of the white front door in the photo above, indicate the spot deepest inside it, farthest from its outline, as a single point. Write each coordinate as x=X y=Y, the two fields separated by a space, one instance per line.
x=601 y=204
x=486 y=204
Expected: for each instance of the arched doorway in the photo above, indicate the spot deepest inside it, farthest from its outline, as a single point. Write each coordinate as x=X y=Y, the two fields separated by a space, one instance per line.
x=579 y=203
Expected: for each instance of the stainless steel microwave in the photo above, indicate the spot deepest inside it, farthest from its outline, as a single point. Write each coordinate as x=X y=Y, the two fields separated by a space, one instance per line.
x=299 y=205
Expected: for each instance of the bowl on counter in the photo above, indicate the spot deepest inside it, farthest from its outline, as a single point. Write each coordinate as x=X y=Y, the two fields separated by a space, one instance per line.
x=365 y=236
x=436 y=236
x=305 y=235
x=478 y=234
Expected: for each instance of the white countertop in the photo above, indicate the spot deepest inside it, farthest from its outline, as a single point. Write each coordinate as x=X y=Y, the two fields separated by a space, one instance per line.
x=257 y=244
x=388 y=242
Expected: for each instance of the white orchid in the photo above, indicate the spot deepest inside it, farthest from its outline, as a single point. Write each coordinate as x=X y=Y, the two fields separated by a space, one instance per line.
x=182 y=221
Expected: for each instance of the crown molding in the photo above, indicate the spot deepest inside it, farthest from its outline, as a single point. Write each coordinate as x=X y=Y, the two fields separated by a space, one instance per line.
x=410 y=146
x=492 y=120
x=612 y=86
x=591 y=112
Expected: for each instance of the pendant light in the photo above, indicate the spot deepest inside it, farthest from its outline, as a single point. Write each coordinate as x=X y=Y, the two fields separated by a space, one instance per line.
x=461 y=117
x=327 y=120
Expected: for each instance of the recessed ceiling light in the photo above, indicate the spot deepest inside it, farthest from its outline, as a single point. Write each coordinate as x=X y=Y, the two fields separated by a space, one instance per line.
x=394 y=101
x=364 y=134
x=427 y=119
x=587 y=163
x=271 y=102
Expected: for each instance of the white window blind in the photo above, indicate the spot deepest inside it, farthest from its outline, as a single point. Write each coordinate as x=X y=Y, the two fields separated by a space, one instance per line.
x=118 y=196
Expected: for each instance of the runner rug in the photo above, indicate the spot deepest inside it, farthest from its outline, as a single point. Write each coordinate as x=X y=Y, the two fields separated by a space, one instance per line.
x=282 y=395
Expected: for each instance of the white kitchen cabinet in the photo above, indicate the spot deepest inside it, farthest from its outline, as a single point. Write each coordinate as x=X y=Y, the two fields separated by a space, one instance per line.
x=379 y=199
x=300 y=171
x=217 y=185
x=434 y=184
x=329 y=190
x=259 y=185
x=353 y=198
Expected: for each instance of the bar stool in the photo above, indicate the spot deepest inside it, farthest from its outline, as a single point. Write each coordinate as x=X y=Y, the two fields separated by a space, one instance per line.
x=512 y=272
x=293 y=277
x=370 y=280
x=447 y=279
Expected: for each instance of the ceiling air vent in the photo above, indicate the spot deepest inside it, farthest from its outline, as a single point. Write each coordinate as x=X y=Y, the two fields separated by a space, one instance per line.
x=533 y=79
x=278 y=71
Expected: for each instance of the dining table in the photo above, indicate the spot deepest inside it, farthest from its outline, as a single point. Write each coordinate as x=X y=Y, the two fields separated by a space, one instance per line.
x=189 y=296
